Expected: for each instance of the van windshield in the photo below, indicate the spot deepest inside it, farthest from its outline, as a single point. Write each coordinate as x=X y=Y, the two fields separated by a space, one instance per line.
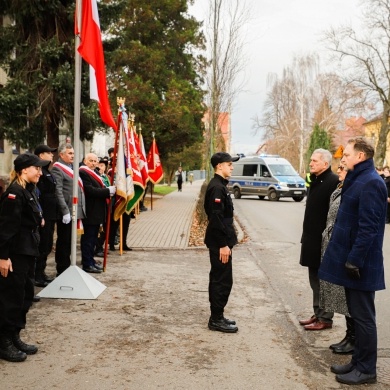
x=282 y=170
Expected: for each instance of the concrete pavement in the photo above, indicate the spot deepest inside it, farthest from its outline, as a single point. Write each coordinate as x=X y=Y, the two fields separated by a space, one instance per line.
x=168 y=225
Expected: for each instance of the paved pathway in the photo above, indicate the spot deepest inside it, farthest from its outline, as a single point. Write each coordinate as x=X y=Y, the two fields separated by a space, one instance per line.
x=168 y=224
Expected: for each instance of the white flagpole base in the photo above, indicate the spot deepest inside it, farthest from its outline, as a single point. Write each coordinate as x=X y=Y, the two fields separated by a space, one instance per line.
x=73 y=283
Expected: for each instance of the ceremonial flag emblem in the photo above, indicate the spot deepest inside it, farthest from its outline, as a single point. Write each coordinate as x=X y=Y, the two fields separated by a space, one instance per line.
x=11 y=196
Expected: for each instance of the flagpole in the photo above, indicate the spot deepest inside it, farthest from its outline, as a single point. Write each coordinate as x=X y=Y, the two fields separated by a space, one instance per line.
x=154 y=153
x=76 y=135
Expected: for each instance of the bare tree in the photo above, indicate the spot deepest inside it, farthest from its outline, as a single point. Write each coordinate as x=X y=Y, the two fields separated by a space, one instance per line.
x=226 y=40
x=366 y=56
x=298 y=100
x=289 y=106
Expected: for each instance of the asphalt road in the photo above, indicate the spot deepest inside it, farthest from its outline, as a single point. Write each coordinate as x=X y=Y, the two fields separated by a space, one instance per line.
x=275 y=229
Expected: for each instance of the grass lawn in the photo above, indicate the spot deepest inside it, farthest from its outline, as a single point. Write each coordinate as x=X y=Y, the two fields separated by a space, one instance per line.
x=163 y=189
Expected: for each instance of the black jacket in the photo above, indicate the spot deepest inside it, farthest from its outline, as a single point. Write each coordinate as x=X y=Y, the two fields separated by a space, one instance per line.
x=47 y=195
x=219 y=209
x=20 y=218
x=95 y=200
x=314 y=222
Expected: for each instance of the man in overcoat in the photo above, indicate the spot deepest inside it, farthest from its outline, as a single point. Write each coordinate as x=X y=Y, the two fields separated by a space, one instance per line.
x=97 y=197
x=354 y=257
x=323 y=183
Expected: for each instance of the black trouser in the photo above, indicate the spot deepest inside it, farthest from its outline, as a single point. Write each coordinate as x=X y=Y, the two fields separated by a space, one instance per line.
x=220 y=283
x=88 y=242
x=63 y=246
x=45 y=246
x=361 y=306
x=16 y=294
x=126 y=218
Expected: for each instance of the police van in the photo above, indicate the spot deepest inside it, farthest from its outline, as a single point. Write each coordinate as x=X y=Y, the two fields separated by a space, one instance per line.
x=266 y=175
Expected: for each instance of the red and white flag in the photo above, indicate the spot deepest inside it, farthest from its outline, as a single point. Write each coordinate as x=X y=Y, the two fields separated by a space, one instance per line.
x=91 y=49
x=154 y=164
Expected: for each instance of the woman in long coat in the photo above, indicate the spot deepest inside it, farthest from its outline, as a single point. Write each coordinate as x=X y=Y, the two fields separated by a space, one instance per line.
x=332 y=296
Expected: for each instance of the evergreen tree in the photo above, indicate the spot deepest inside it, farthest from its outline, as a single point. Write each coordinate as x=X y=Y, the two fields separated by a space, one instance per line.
x=37 y=52
x=319 y=138
x=154 y=67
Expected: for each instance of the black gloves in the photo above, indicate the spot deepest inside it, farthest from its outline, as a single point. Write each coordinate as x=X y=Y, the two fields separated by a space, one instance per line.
x=352 y=271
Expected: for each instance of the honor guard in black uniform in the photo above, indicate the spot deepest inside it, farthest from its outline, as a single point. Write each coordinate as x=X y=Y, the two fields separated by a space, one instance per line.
x=20 y=218
x=46 y=189
x=220 y=239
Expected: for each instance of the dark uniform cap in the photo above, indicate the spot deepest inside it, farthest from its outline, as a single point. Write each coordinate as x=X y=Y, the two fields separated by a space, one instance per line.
x=103 y=160
x=26 y=160
x=42 y=149
x=222 y=157
x=111 y=150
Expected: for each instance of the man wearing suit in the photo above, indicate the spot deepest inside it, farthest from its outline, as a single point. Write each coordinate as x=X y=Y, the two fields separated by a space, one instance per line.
x=354 y=257
x=63 y=174
x=322 y=184
x=97 y=200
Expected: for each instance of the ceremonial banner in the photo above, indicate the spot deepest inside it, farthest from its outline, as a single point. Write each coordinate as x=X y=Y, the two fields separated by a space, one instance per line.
x=142 y=162
x=139 y=186
x=91 y=49
x=154 y=164
x=123 y=178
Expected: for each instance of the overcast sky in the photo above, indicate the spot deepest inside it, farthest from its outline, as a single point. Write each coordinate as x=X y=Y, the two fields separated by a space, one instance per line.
x=279 y=30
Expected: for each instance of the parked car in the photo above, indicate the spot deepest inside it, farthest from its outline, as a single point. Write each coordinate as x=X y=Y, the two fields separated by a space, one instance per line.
x=266 y=175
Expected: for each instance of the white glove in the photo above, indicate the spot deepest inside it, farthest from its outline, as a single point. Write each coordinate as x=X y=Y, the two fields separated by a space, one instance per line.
x=112 y=190
x=66 y=219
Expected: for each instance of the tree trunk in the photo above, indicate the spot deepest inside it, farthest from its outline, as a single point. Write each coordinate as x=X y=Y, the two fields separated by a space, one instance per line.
x=381 y=147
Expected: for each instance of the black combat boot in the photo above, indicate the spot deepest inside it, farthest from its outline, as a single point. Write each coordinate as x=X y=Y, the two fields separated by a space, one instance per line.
x=348 y=346
x=8 y=351
x=19 y=344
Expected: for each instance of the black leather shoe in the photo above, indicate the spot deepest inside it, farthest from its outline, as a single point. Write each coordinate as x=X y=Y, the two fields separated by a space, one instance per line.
x=342 y=369
x=229 y=322
x=92 y=270
x=346 y=348
x=9 y=352
x=112 y=248
x=36 y=298
x=98 y=266
x=126 y=248
x=221 y=326
x=356 y=377
x=28 y=349
x=40 y=283
x=339 y=344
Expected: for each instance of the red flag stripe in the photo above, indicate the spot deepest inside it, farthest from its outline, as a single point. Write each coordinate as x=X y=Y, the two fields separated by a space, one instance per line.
x=91 y=49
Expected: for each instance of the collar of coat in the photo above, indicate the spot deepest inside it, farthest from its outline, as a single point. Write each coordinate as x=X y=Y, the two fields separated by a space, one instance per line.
x=359 y=168
x=314 y=178
x=222 y=179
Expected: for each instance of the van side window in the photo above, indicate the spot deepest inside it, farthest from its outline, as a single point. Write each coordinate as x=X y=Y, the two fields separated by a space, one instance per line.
x=264 y=171
x=250 y=170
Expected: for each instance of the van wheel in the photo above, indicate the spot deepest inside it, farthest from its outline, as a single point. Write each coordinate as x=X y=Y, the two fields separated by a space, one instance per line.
x=298 y=198
x=261 y=197
x=272 y=195
x=237 y=193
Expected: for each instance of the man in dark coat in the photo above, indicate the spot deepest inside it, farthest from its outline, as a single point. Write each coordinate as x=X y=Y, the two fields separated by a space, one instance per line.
x=354 y=257
x=323 y=183
x=48 y=201
x=97 y=197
